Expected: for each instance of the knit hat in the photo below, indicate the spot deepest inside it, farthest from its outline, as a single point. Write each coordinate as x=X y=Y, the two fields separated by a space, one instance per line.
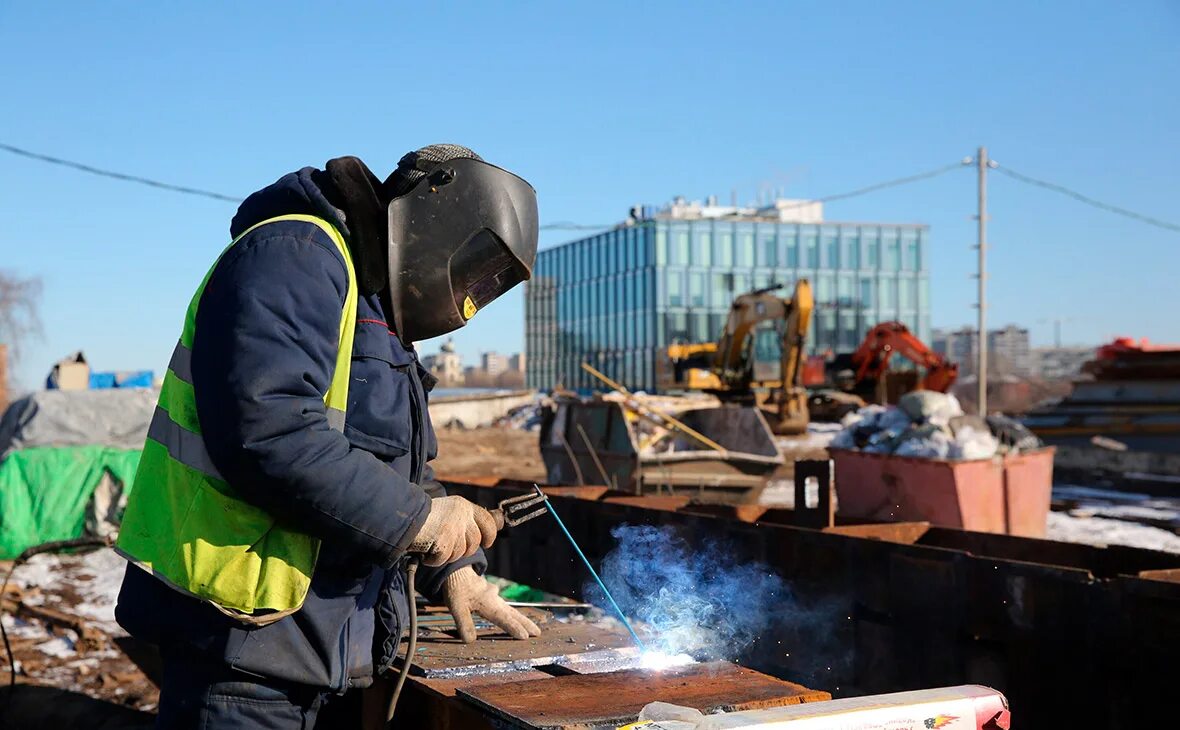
x=416 y=165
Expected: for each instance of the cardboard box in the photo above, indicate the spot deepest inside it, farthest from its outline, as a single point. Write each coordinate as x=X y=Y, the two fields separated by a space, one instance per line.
x=71 y=373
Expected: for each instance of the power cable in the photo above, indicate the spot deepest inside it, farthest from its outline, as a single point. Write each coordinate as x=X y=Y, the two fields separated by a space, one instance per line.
x=887 y=184
x=118 y=175
x=1086 y=199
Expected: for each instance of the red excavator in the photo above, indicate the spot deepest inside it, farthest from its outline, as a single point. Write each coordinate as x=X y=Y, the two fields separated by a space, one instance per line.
x=853 y=379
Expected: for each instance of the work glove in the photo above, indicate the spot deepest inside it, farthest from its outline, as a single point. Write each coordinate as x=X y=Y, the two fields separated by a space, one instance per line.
x=465 y=591
x=454 y=529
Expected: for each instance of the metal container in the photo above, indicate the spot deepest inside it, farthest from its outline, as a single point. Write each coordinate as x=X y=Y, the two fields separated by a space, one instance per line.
x=1003 y=494
x=602 y=442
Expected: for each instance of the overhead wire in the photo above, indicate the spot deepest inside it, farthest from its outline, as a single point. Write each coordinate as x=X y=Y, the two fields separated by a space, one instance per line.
x=1086 y=199
x=118 y=175
x=573 y=226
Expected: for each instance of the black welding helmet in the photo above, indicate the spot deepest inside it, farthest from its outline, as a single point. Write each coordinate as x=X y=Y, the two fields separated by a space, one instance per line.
x=464 y=234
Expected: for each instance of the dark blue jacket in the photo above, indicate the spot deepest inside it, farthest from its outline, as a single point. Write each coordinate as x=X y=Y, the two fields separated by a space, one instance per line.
x=265 y=348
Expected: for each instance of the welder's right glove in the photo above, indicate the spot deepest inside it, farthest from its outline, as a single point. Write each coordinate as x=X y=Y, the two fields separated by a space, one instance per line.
x=454 y=529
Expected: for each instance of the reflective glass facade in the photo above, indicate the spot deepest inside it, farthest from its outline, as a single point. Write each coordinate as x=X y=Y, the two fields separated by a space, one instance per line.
x=618 y=298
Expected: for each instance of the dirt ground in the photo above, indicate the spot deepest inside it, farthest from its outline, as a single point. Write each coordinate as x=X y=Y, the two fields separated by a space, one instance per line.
x=501 y=452
x=513 y=453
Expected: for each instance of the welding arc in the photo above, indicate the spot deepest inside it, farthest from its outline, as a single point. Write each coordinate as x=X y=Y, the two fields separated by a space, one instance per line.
x=605 y=590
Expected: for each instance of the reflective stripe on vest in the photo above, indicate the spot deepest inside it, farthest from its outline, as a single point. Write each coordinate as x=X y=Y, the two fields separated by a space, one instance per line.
x=186 y=525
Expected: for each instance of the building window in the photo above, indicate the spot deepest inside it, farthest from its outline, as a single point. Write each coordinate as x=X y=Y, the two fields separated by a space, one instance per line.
x=914 y=255
x=792 y=261
x=831 y=254
x=722 y=290
x=823 y=289
x=905 y=294
x=716 y=324
x=696 y=289
x=827 y=324
x=892 y=260
x=888 y=299
x=700 y=327
x=741 y=284
x=675 y=289
x=661 y=248
x=724 y=251
x=704 y=249
x=850 y=259
x=681 y=248
x=810 y=253
x=676 y=326
x=866 y=293
x=746 y=250
x=769 y=251
x=844 y=295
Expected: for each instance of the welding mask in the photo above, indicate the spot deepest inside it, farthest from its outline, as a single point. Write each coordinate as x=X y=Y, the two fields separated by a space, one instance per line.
x=464 y=234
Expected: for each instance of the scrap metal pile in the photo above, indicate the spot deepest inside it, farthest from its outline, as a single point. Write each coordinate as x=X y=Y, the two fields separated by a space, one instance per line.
x=1132 y=397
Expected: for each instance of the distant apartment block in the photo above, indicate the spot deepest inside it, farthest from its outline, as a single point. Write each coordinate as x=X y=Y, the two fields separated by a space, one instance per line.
x=1009 y=352
x=960 y=346
x=493 y=363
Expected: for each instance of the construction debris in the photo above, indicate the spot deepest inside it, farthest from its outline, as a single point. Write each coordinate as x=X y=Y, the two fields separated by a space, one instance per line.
x=931 y=425
x=1133 y=399
x=59 y=614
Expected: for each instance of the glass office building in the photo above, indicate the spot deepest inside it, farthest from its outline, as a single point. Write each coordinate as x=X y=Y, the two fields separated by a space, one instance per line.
x=618 y=298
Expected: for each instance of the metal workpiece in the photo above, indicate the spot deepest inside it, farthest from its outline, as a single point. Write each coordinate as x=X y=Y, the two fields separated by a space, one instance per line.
x=441 y=655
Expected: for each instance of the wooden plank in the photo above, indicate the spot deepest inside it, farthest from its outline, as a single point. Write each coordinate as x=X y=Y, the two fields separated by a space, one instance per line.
x=616 y=698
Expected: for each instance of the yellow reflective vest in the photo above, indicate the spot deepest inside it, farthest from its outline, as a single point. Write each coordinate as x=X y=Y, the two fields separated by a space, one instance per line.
x=187 y=526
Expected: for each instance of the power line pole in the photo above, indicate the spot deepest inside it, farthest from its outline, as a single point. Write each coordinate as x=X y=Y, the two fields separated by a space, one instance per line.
x=981 y=377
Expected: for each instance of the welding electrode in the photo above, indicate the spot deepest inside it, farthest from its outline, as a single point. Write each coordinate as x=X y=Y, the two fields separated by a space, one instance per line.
x=605 y=590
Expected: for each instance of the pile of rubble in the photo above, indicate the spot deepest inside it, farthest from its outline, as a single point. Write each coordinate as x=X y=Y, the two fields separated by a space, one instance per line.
x=931 y=425
x=58 y=611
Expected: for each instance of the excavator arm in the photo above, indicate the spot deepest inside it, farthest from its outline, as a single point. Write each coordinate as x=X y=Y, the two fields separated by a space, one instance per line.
x=732 y=358
x=889 y=338
x=726 y=367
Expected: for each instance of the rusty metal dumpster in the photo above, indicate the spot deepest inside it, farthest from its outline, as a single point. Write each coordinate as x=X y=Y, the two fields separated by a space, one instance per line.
x=1004 y=494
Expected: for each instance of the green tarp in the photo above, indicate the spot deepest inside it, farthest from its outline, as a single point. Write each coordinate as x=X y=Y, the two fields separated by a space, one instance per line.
x=44 y=491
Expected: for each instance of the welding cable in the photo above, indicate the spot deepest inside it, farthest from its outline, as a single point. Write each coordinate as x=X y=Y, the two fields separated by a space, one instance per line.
x=412 y=647
x=55 y=546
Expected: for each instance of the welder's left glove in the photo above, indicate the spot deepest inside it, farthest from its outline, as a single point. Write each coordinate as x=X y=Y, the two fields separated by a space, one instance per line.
x=466 y=591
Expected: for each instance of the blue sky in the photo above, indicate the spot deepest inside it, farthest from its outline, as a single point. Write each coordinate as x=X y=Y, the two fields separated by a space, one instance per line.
x=600 y=106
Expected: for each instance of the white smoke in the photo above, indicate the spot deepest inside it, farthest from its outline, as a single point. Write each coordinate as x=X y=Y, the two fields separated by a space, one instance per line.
x=693 y=599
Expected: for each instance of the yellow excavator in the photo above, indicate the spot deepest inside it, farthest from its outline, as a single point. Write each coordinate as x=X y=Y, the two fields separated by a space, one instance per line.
x=732 y=369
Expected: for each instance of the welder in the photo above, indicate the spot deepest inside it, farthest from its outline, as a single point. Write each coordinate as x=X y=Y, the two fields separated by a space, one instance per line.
x=285 y=484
